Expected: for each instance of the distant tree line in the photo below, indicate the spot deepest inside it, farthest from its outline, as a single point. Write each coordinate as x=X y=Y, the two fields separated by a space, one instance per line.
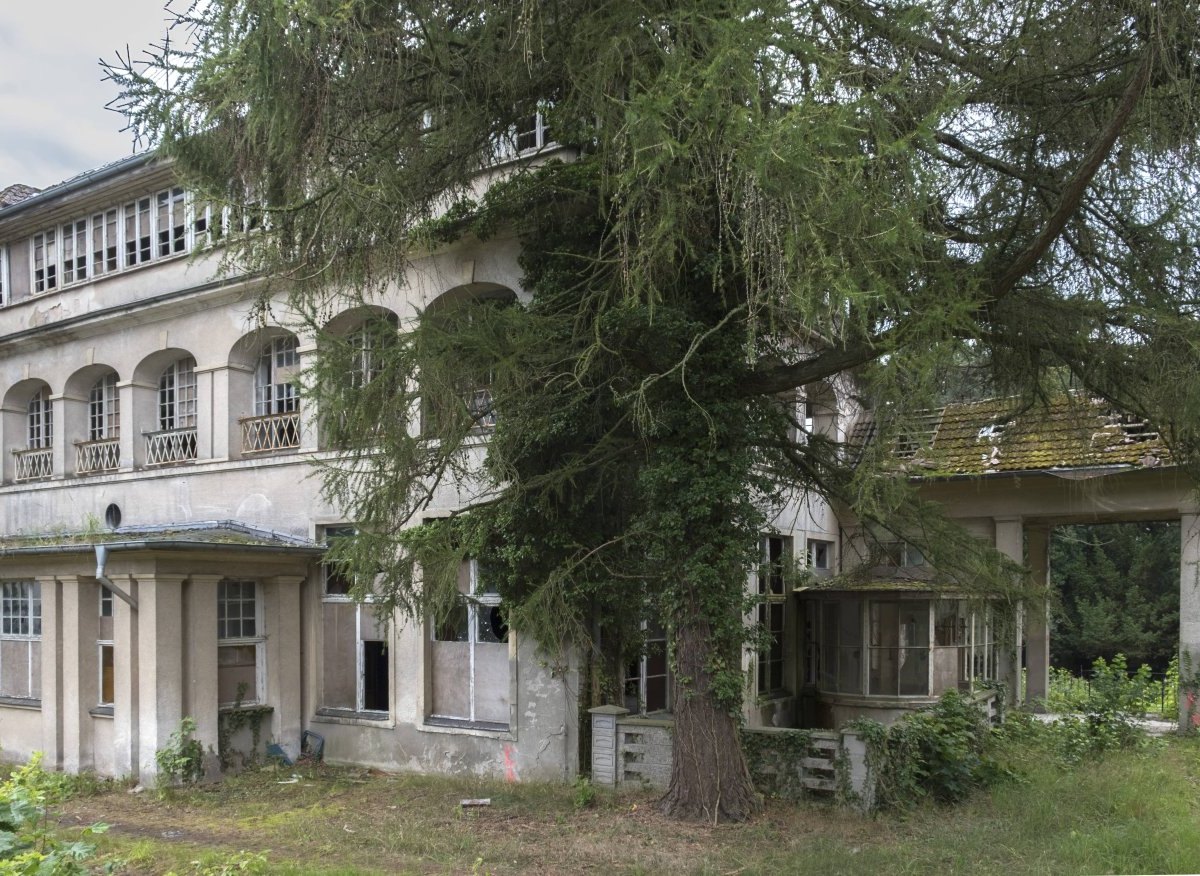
x=1117 y=593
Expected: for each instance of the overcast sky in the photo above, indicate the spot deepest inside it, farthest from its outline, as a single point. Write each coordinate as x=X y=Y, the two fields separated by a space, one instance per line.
x=53 y=124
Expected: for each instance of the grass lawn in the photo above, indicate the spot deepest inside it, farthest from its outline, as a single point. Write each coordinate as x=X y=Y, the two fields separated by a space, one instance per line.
x=1126 y=813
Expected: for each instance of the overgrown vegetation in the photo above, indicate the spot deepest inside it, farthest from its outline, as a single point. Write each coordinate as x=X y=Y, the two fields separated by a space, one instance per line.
x=1117 y=592
x=181 y=759
x=28 y=842
x=1120 y=812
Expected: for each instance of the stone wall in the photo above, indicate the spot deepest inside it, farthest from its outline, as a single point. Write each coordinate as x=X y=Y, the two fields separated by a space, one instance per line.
x=786 y=763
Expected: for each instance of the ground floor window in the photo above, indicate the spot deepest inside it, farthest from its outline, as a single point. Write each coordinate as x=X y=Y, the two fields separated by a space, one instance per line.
x=771 y=615
x=470 y=669
x=21 y=639
x=898 y=646
x=239 y=643
x=647 y=682
x=107 y=674
x=354 y=658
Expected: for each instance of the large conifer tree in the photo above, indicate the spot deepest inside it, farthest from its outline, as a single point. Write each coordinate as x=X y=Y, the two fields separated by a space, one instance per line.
x=767 y=195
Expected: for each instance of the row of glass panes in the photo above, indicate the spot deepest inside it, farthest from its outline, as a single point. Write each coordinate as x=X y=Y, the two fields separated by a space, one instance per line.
x=156 y=226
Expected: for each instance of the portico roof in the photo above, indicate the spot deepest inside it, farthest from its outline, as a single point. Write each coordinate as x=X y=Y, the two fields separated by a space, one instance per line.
x=1070 y=433
x=201 y=535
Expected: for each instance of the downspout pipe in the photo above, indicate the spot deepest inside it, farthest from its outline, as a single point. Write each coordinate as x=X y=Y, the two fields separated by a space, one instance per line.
x=101 y=562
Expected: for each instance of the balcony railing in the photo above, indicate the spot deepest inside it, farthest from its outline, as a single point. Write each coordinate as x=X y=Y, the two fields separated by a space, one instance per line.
x=170 y=446
x=97 y=456
x=34 y=464
x=270 y=432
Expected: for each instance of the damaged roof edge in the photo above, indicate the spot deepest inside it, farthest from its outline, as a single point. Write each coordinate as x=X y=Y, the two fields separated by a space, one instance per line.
x=149 y=545
x=99 y=174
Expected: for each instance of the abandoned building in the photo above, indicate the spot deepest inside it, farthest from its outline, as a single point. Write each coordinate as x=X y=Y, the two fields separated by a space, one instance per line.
x=163 y=536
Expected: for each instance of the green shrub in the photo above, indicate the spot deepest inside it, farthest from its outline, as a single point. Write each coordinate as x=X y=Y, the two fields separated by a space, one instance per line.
x=182 y=758
x=27 y=845
x=940 y=753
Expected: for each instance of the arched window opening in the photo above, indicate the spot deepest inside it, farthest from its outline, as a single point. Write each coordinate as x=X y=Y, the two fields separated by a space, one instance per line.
x=37 y=459
x=175 y=440
x=276 y=421
x=102 y=450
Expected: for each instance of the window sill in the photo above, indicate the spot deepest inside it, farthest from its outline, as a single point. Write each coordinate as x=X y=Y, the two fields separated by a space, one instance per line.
x=382 y=720
x=101 y=712
x=21 y=703
x=486 y=729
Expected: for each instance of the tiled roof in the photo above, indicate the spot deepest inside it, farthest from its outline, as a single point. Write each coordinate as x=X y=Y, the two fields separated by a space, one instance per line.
x=16 y=193
x=996 y=435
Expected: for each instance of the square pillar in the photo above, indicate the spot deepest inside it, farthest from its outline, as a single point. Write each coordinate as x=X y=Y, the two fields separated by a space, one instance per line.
x=1010 y=541
x=80 y=676
x=1037 y=619
x=51 y=671
x=200 y=661
x=281 y=609
x=160 y=667
x=139 y=415
x=1189 y=620
x=310 y=438
x=126 y=736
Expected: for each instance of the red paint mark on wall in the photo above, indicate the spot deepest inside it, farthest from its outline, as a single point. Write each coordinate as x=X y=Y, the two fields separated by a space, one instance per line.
x=1191 y=709
x=510 y=765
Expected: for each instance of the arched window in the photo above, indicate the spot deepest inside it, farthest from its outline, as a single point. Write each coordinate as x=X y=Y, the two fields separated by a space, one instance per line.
x=104 y=410
x=177 y=396
x=275 y=390
x=365 y=345
x=40 y=420
x=175 y=441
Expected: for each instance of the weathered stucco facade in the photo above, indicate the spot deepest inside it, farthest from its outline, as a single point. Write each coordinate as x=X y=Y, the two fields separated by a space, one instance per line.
x=138 y=379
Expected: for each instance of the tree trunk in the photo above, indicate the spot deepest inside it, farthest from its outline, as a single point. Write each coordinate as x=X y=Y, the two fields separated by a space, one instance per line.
x=709 y=777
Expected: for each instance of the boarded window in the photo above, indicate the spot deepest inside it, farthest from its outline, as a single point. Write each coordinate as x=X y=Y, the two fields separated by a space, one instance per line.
x=20 y=639
x=469 y=655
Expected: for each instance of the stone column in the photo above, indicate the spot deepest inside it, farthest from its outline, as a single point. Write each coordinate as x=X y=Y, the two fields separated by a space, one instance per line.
x=1189 y=620
x=139 y=414
x=1037 y=619
x=200 y=663
x=310 y=438
x=66 y=430
x=209 y=420
x=160 y=667
x=231 y=397
x=125 y=682
x=1010 y=542
x=51 y=671
x=281 y=611
x=80 y=676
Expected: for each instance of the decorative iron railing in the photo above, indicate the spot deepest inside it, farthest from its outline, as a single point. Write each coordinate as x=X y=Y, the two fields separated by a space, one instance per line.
x=170 y=446
x=270 y=432
x=97 y=456
x=34 y=464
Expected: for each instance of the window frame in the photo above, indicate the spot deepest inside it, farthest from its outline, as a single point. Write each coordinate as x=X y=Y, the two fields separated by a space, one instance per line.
x=175 y=399
x=257 y=639
x=771 y=604
x=638 y=673
x=22 y=609
x=104 y=409
x=280 y=357
x=344 y=530
x=473 y=600
x=39 y=421
x=976 y=658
